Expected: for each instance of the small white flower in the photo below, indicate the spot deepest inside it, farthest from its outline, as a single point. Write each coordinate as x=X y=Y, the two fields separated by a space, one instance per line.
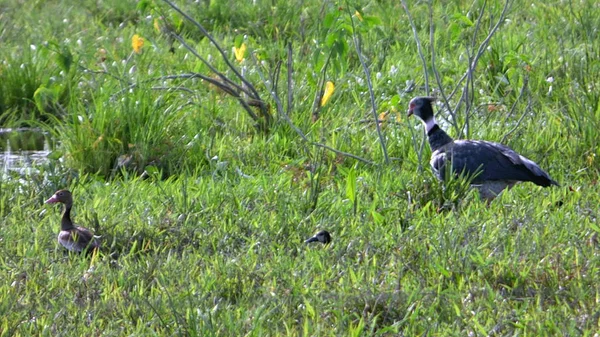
x=33 y=47
x=393 y=70
x=550 y=79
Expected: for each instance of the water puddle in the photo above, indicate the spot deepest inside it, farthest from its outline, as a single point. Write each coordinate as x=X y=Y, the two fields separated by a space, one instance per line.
x=23 y=149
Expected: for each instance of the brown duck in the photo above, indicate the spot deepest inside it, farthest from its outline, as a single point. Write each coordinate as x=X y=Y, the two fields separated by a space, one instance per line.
x=74 y=238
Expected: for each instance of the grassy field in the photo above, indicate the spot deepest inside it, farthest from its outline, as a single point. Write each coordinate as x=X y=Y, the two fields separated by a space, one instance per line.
x=204 y=188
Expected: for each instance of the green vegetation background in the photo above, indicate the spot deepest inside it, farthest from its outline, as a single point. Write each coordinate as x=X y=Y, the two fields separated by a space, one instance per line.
x=210 y=238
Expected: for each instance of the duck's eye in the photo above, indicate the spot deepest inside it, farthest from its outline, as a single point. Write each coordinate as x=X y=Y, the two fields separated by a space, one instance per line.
x=59 y=194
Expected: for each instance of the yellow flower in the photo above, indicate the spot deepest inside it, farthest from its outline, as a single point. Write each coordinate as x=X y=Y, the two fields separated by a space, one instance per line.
x=240 y=52
x=357 y=14
x=329 y=89
x=137 y=42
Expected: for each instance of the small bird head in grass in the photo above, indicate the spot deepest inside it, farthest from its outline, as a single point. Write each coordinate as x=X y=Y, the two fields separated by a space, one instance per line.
x=62 y=196
x=323 y=237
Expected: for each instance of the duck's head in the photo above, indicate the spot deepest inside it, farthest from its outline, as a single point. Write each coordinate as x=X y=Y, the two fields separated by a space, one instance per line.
x=323 y=237
x=62 y=196
x=421 y=107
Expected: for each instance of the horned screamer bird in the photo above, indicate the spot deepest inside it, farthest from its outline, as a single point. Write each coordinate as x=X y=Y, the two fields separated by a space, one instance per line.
x=74 y=238
x=494 y=167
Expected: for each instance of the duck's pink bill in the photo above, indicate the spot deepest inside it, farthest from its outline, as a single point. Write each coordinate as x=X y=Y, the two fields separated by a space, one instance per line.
x=52 y=200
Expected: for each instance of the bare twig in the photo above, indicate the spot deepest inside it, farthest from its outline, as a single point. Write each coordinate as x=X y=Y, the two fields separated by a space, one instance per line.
x=224 y=78
x=217 y=46
x=419 y=49
x=470 y=79
x=458 y=86
x=355 y=38
x=290 y=79
x=424 y=62
x=211 y=80
x=453 y=120
x=231 y=91
x=473 y=64
x=478 y=25
x=246 y=84
x=419 y=149
x=103 y=72
x=318 y=95
x=189 y=91
x=302 y=135
x=512 y=109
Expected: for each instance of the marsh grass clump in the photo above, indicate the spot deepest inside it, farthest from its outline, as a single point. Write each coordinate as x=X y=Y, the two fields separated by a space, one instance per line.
x=130 y=133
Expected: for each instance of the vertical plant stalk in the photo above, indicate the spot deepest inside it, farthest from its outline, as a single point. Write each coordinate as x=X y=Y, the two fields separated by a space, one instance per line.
x=286 y=117
x=468 y=89
x=255 y=99
x=290 y=79
x=512 y=109
x=355 y=39
x=453 y=120
x=319 y=94
x=226 y=85
x=419 y=48
x=424 y=62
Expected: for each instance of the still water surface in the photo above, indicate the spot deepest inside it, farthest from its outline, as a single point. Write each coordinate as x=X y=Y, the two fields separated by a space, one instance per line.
x=22 y=149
